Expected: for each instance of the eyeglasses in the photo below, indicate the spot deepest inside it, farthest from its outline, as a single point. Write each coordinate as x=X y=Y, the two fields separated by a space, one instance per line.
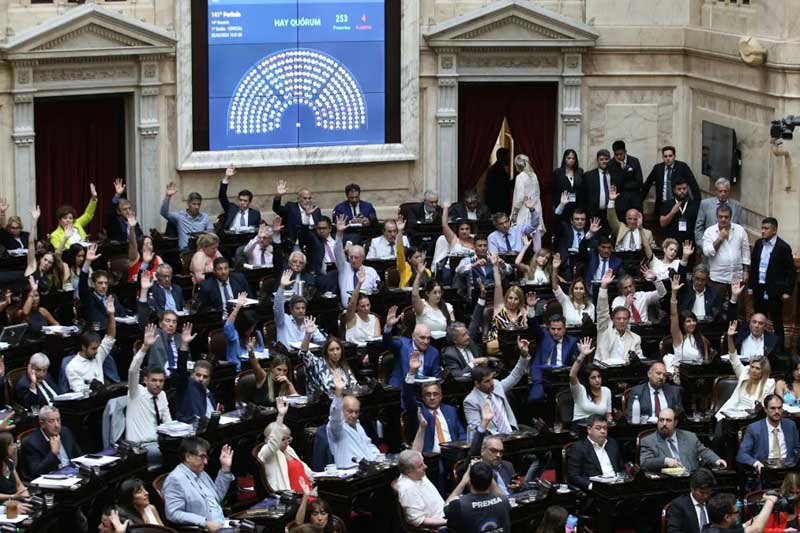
x=202 y=456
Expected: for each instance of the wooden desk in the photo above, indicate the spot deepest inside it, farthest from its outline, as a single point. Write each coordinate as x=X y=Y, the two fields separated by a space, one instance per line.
x=84 y=416
x=341 y=493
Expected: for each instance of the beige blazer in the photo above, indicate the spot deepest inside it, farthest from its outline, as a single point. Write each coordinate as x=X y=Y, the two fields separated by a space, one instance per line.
x=275 y=462
x=606 y=334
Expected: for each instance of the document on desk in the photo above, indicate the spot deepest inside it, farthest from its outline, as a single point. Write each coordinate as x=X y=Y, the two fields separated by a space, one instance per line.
x=341 y=473
x=129 y=320
x=792 y=409
x=97 y=460
x=296 y=399
x=176 y=429
x=6 y=520
x=606 y=479
x=60 y=330
x=248 y=303
x=614 y=362
x=295 y=345
x=69 y=396
x=49 y=481
x=225 y=420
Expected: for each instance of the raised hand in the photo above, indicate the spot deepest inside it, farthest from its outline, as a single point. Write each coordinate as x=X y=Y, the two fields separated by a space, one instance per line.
x=186 y=334
x=528 y=202
x=150 y=336
x=230 y=171
x=69 y=230
x=391 y=317
x=146 y=281
x=401 y=223
x=132 y=219
x=36 y=213
x=688 y=249
x=595 y=225
x=526 y=241
x=282 y=405
x=3 y=204
x=361 y=275
x=613 y=194
x=556 y=262
x=494 y=258
x=421 y=419
x=732 y=327
x=414 y=362
x=487 y=413
x=481 y=290
x=309 y=325
x=564 y=199
x=531 y=299
x=608 y=277
x=119 y=187
x=110 y=305
x=647 y=273
x=523 y=345
x=676 y=283
x=737 y=287
x=171 y=189
x=91 y=253
x=226 y=458
x=277 y=225
x=286 y=278
x=585 y=346
x=341 y=224
x=92 y=190
x=281 y=187
x=338 y=384
x=31 y=376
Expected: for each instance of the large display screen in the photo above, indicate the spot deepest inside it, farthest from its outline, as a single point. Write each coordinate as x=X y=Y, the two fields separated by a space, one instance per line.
x=290 y=73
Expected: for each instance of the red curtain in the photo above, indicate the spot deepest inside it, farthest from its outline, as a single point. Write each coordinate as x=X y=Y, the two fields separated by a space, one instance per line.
x=531 y=110
x=78 y=141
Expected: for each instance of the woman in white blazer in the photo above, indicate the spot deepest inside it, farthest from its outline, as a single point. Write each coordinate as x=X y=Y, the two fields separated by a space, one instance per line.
x=282 y=465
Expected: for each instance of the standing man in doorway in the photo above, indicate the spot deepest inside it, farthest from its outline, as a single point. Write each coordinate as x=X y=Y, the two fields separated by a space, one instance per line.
x=498 y=184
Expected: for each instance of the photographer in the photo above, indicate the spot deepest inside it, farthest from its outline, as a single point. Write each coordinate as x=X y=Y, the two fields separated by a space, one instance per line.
x=722 y=512
x=786 y=519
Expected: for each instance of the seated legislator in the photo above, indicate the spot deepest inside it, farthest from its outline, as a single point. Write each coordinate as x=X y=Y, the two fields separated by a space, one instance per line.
x=554 y=349
x=670 y=262
x=490 y=449
x=50 y=448
x=203 y=259
x=471 y=208
x=443 y=424
x=240 y=330
x=11 y=235
x=147 y=404
x=427 y=211
x=669 y=447
x=408 y=260
x=654 y=395
x=192 y=397
x=384 y=247
x=163 y=295
x=507 y=239
x=577 y=303
x=420 y=500
x=486 y=387
x=600 y=260
x=354 y=209
x=788 y=388
x=589 y=396
x=752 y=339
x=36 y=387
x=259 y=251
x=574 y=238
x=134 y=504
x=320 y=371
x=700 y=298
x=298 y=217
x=724 y=515
x=272 y=385
x=164 y=352
x=431 y=310
x=93 y=306
x=478 y=269
x=688 y=343
x=11 y=486
x=191 y=497
x=773 y=439
x=321 y=252
x=283 y=467
x=348 y=441
x=119 y=213
x=539 y=268
x=88 y=364
x=638 y=302
x=754 y=382
x=302 y=283
x=688 y=513
x=188 y=221
x=291 y=327
x=403 y=348
x=627 y=238
x=142 y=257
x=222 y=286
x=482 y=509
x=241 y=216
x=462 y=353
x=780 y=521
x=361 y=325
x=66 y=219
x=349 y=266
x=615 y=340
x=597 y=455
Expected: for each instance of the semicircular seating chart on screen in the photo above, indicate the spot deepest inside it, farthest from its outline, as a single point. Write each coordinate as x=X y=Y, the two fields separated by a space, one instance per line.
x=298 y=76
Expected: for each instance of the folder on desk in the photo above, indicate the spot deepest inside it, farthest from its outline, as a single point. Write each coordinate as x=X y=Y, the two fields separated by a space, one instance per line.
x=101 y=460
x=56 y=482
x=605 y=479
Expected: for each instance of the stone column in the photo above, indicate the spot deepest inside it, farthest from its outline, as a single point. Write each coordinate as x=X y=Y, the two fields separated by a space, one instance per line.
x=447 y=129
x=148 y=181
x=571 y=82
x=23 y=136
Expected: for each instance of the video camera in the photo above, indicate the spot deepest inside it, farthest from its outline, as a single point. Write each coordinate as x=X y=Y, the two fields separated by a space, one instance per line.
x=784 y=128
x=784 y=504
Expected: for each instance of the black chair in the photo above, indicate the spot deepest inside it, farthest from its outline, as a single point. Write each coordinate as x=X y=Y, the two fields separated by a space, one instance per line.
x=565 y=406
x=722 y=390
x=639 y=438
x=244 y=389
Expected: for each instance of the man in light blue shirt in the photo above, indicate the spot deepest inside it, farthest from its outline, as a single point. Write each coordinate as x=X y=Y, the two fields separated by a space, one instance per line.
x=507 y=239
x=348 y=267
x=189 y=221
x=346 y=437
x=190 y=496
x=291 y=327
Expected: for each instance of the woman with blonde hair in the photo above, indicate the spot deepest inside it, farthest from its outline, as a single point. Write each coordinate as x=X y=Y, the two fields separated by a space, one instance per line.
x=575 y=305
x=538 y=269
x=283 y=467
x=510 y=311
x=203 y=258
x=527 y=188
x=661 y=267
x=754 y=381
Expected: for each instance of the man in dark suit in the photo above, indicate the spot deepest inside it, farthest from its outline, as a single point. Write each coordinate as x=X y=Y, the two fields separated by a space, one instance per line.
x=664 y=174
x=404 y=349
x=298 y=217
x=462 y=353
x=597 y=455
x=192 y=397
x=627 y=178
x=50 y=448
x=164 y=352
x=223 y=281
x=671 y=447
x=600 y=259
x=240 y=216
x=699 y=297
x=688 y=513
x=773 y=438
x=36 y=387
x=471 y=208
x=596 y=188
x=654 y=394
x=164 y=295
x=574 y=239
x=498 y=184
x=354 y=209
x=93 y=302
x=679 y=215
x=554 y=349
x=297 y=264
x=490 y=449
x=772 y=275
x=119 y=212
x=752 y=338
x=323 y=256
x=428 y=211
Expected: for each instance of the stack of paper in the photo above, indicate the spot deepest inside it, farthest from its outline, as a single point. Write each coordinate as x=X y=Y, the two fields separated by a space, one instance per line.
x=69 y=396
x=296 y=399
x=95 y=460
x=130 y=320
x=604 y=479
x=60 y=330
x=4 y=345
x=176 y=429
x=19 y=252
x=54 y=481
x=259 y=355
x=296 y=345
x=248 y=303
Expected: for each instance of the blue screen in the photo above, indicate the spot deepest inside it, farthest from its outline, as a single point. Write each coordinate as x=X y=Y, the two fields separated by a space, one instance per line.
x=290 y=73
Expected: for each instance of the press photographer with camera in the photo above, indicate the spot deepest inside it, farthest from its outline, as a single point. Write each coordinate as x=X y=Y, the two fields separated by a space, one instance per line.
x=723 y=514
x=785 y=512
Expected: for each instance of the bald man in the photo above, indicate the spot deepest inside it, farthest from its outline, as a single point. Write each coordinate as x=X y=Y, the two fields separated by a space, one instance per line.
x=670 y=447
x=348 y=442
x=628 y=238
x=298 y=217
x=752 y=337
x=403 y=348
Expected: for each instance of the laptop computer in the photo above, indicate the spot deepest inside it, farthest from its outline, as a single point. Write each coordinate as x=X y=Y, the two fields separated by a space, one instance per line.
x=12 y=335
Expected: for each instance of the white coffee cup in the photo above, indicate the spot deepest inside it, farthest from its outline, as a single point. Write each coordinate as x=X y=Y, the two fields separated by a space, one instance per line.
x=330 y=469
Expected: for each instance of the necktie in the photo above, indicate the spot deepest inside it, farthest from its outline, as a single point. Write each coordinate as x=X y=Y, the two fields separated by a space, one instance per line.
x=328 y=250
x=242 y=221
x=667 y=192
x=578 y=239
x=554 y=355
x=673 y=447
x=263 y=256
x=631 y=241
x=657 y=402
x=438 y=424
x=703 y=516
x=499 y=415
x=355 y=279
x=227 y=288
x=355 y=210
x=605 y=188
x=155 y=406
x=603 y=268
x=508 y=243
x=776 y=445
x=635 y=312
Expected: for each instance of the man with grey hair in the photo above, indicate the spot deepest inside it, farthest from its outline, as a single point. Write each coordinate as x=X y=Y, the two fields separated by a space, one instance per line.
x=727 y=249
x=385 y=246
x=462 y=353
x=50 y=448
x=707 y=213
x=426 y=212
x=699 y=298
x=421 y=502
x=404 y=349
x=163 y=295
x=189 y=221
x=36 y=387
x=348 y=267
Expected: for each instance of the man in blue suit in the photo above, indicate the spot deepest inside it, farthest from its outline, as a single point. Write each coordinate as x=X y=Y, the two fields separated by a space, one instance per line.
x=163 y=295
x=193 y=399
x=355 y=210
x=554 y=348
x=238 y=216
x=600 y=260
x=774 y=438
x=443 y=423
x=404 y=348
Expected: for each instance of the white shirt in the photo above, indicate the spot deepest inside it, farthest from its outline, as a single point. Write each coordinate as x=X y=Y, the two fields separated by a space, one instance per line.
x=419 y=499
x=602 y=456
x=699 y=307
x=253 y=252
x=572 y=315
x=445 y=431
x=781 y=440
x=698 y=510
x=642 y=300
x=140 y=417
x=307 y=219
x=766 y=253
x=381 y=248
x=80 y=370
x=625 y=244
x=330 y=255
x=726 y=263
x=237 y=220
x=752 y=346
x=433 y=316
x=584 y=407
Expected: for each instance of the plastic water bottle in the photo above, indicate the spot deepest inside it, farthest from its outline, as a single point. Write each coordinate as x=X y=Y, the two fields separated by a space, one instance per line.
x=636 y=411
x=739 y=507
